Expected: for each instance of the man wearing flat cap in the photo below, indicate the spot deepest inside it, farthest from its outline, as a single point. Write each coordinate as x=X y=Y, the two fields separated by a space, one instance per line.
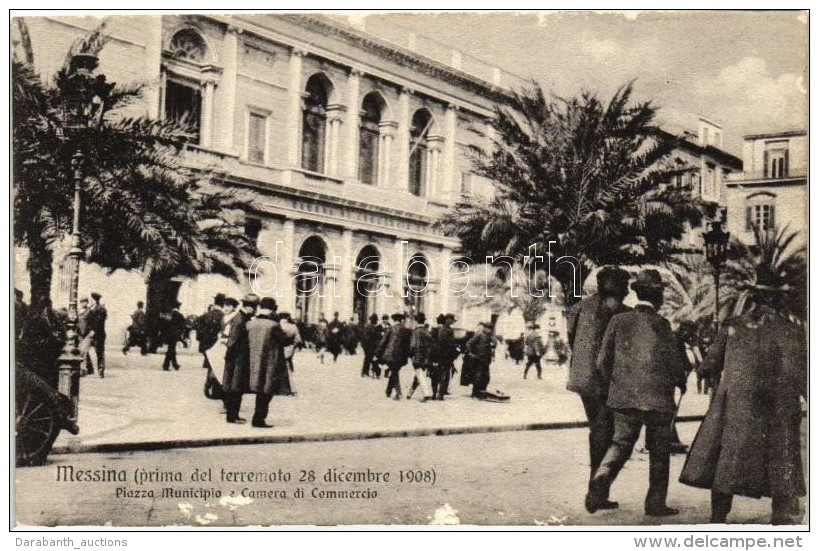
x=236 y=379
x=640 y=363
x=96 y=326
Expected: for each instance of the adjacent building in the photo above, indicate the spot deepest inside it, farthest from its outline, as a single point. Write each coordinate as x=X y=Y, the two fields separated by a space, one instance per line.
x=772 y=190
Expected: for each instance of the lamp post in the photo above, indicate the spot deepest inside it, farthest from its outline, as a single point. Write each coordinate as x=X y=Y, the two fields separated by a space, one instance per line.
x=716 y=249
x=83 y=97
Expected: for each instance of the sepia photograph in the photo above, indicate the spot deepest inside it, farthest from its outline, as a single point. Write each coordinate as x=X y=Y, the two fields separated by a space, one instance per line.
x=540 y=270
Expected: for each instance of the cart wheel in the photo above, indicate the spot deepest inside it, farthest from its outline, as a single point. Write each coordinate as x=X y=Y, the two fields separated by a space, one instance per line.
x=36 y=427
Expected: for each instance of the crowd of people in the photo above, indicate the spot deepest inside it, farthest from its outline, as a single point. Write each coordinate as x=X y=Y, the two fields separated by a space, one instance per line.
x=627 y=364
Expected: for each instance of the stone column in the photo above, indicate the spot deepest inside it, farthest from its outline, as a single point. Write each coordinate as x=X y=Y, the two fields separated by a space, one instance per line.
x=446 y=258
x=402 y=256
x=294 y=94
x=402 y=141
x=206 y=127
x=346 y=275
x=287 y=270
x=388 y=130
x=435 y=143
x=225 y=124
x=153 y=64
x=448 y=162
x=335 y=118
x=353 y=108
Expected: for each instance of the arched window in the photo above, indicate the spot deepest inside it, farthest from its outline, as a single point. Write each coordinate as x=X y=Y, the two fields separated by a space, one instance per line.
x=188 y=44
x=418 y=159
x=415 y=284
x=369 y=135
x=314 y=124
x=310 y=279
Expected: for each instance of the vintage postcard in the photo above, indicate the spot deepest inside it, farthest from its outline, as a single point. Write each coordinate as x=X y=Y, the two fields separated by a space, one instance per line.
x=505 y=269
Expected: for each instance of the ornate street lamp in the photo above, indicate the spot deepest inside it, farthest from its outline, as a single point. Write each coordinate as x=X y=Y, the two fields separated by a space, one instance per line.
x=716 y=249
x=83 y=98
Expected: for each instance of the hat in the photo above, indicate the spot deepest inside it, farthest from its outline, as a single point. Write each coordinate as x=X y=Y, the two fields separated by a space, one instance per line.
x=451 y=317
x=440 y=319
x=385 y=317
x=96 y=296
x=285 y=316
x=420 y=317
x=373 y=318
x=230 y=301
x=611 y=279
x=250 y=299
x=648 y=279
x=268 y=303
x=398 y=316
x=176 y=304
x=485 y=324
x=219 y=299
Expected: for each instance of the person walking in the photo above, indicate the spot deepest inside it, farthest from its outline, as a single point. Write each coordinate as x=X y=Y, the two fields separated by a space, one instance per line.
x=641 y=363
x=393 y=350
x=175 y=329
x=236 y=379
x=293 y=338
x=480 y=349
x=587 y=322
x=335 y=334
x=533 y=349
x=209 y=326
x=267 y=373
x=421 y=345
x=749 y=443
x=97 y=316
x=321 y=338
x=446 y=353
x=136 y=335
x=370 y=337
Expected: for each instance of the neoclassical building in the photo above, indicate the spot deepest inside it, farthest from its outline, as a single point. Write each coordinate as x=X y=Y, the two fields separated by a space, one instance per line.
x=354 y=144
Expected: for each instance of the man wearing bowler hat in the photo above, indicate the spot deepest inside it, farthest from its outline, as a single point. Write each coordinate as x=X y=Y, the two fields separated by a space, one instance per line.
x=370 y=338
x=267 y=372
x=640 y=363
x=236 y=379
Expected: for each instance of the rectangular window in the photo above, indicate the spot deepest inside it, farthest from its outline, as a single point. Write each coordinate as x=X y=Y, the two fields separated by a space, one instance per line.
x=761 y=216
x=183 y=105
x=256 y=138
x=710 y=188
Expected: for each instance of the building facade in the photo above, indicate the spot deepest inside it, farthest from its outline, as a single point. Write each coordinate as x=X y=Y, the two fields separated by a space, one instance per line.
x=354 y=145
x=772 y=190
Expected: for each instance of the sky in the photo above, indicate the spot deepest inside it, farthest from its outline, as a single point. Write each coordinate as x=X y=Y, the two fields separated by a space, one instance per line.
x=744 y=70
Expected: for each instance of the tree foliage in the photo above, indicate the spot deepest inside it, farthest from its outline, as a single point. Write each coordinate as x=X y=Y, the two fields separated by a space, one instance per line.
x=143 y=207
x=586 y=176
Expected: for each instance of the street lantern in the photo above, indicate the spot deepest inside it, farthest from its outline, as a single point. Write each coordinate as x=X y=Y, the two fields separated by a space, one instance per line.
x=83 y=98
x=716 y=249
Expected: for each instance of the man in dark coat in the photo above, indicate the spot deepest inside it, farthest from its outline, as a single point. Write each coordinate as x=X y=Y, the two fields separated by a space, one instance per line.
x=335 y=335
x=533 y=349
x=394 y=351
x=370 y=338
x=641 y=363
x=96 y=324
x=421 y=345
x=236 y=379
x=587 y=321
x=446 y=352
x=136 y=331
x=175 y=330
x=267 y=367
x=480 y=348
x=749 y=443
x=209 y=326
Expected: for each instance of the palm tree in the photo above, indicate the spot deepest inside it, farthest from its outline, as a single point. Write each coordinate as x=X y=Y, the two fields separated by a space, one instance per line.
x=776 y=255
x=576 y=178
x=143 y=208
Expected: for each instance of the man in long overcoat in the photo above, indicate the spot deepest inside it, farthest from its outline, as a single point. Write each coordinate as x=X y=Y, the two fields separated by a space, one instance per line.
x=641 y=363
x=421 y=350
x=236 y=379
x=394 y=351
x=267 y=368
x=749 y=443
x=587 y=323
x=480 y=349
x=370 y=337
